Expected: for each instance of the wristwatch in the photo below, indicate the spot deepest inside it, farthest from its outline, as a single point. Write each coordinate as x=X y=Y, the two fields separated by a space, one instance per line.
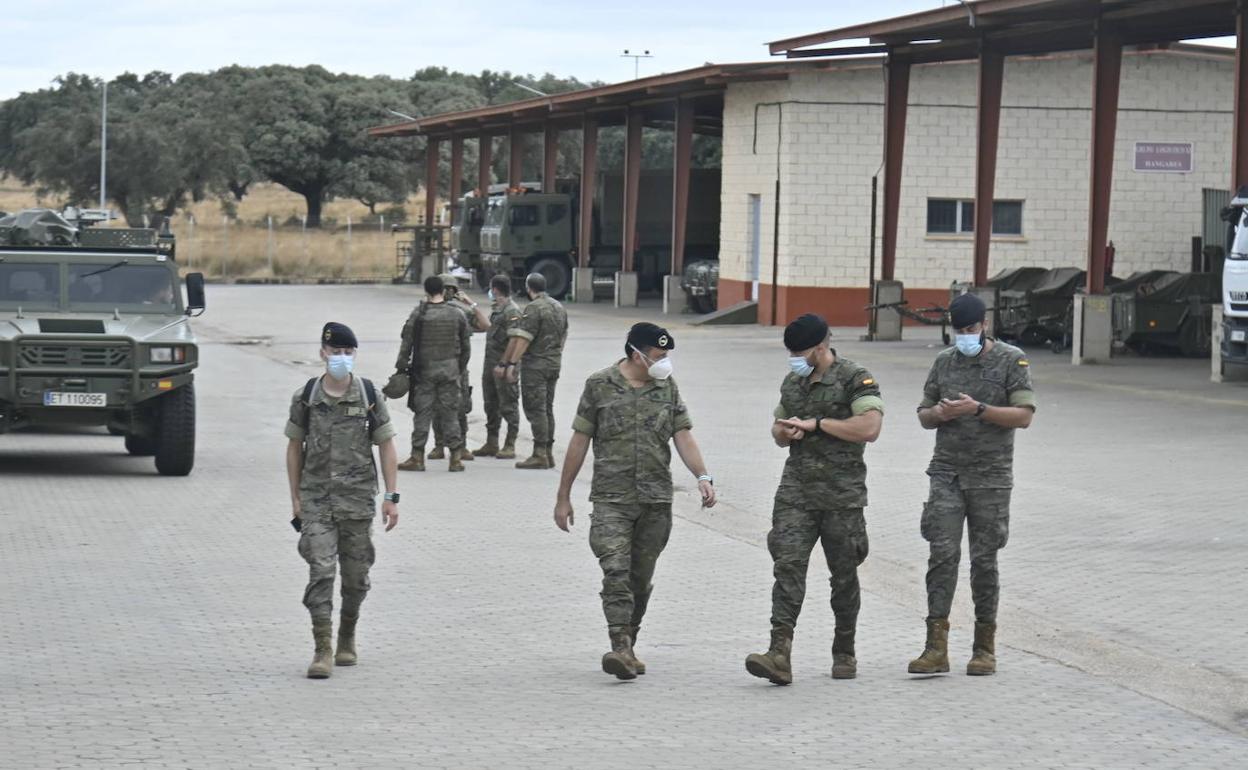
x=392 y=497
x=979 y=410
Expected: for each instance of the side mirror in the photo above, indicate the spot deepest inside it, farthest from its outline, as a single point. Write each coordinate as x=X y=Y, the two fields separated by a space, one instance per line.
x=194 y=292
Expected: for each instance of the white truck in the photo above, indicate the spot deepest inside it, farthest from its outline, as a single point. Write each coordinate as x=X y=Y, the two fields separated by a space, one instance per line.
x=1235 y=286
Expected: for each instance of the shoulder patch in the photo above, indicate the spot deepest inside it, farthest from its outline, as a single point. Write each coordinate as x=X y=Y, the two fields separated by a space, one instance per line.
x=868 y=381
x=1023 y=362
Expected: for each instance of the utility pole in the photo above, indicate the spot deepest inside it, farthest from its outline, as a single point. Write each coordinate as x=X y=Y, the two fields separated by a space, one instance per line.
x=104 y=148
x=636 y=57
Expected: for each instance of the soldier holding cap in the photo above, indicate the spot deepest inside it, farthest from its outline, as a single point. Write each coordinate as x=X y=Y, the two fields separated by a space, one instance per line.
x=830 y=408
x=630 y=411
x=976 y=395
x=334 y=422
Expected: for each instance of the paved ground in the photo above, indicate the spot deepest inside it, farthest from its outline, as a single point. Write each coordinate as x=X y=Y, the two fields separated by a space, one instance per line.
x=157 y=621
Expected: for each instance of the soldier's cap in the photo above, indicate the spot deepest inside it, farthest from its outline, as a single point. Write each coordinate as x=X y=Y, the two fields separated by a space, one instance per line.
x=805 y=332
x=336 y=335
x=646 y=335
x=966 y=310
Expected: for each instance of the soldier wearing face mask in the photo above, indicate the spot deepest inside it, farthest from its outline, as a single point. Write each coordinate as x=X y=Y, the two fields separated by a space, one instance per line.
x=335 y=420
x=630 y=411
x=976 y=395
x=830 y=408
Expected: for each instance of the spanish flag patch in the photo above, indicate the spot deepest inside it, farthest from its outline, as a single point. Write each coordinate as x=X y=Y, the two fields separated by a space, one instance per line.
x=868 y=381
x=1023 y=362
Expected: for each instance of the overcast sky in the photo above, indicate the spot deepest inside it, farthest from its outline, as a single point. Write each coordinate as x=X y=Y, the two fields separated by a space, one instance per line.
x=104 y=38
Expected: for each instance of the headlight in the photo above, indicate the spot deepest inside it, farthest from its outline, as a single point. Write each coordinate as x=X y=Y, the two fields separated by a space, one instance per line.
x=167 y=355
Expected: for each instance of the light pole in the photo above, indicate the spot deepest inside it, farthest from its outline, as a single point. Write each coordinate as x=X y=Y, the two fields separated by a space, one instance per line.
x=636 y=57
x=104 y=146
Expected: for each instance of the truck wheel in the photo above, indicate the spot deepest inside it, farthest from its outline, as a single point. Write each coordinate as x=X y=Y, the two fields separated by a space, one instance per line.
x=175 y=446
x=701 y=303
x=141 y=446
x=555 y=271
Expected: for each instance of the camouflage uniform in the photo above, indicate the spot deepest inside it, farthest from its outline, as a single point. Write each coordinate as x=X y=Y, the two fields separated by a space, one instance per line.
x=822 y=494
x=971 y=474
x=337 y=492
x=632 y=484
x=501 y=398
x=544 y=324
x=443 y=350
x=465 y=387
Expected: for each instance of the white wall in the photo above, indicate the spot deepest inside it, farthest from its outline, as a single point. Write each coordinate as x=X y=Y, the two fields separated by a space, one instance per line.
x=830 y=151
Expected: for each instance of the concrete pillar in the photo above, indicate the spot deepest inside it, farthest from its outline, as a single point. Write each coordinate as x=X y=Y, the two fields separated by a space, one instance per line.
x=583 y=284
x=1092 y=339
x=888 y=322
x=1215 y=350
x=674 y=300
x=625 y=289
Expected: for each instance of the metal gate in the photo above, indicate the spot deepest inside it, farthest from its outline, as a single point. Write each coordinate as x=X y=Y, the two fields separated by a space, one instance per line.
x=1213 y=230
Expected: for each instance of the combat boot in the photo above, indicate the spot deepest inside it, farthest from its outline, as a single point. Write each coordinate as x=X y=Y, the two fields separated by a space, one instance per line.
x=465 y=455
x=346 y=641
x=414 y=463
x=638 y=663
x=456 y=464
x=490 y=448
x=984 y=654
x=550 y=455
x=935 y=657
x=538 y=461
x=774 y=665
x=844 y=664
x=619 y=662
x=508 y=452
x=436 y=454
x=323 y=660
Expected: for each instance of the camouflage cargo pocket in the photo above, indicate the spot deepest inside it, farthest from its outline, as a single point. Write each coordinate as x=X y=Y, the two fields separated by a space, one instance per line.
x=1002 y=520
x=925 y=522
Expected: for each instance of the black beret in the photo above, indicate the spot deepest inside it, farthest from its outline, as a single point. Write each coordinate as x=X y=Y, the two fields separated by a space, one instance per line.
x=966 y=310
x=647 y=335
x=337 y=335
x=805 y=332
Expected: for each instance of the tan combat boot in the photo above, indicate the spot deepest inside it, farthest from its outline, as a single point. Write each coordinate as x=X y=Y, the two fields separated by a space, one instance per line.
x=774 y=665
x=457 y=463
x=538 y=461
x=414 y=463
x=490 y=447
x=323 y=661
x=346 y=641
x=508 y=452
x=935 y=657
x=984 y=654
x=844 y=664
x=550 y=455
x=619 y=662
x=436 y=454
x=638 y=664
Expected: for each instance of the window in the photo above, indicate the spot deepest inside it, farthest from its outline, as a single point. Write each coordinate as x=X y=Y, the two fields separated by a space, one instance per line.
x=113 y=285
x=30 y=283
x=524 y=216
x=555 y=212
x=948 y=216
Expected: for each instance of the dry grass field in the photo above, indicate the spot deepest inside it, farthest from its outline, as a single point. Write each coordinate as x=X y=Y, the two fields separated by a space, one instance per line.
x=245 y=247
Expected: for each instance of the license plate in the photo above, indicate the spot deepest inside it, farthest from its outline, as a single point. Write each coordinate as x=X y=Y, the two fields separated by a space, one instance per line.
x=52 y=398
x=1238 y=335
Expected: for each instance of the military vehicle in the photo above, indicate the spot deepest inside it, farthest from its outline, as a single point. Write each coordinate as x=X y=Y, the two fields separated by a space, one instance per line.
x=94 y=332
x=527 y=232
x=467 y=217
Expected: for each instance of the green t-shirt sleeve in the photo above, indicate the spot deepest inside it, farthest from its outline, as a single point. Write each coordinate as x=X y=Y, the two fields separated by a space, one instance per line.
x=931 y=388
x=529 y=325
x=1018 y=383
x=865 y=394
x=680 y=413
x=295 y=430
x=383 y=426
x=586 y=420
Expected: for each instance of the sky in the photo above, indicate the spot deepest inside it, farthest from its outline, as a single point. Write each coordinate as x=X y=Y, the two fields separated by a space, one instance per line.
x=582 y=39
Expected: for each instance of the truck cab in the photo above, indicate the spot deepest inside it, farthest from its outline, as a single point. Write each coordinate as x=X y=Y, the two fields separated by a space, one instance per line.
x=467 y=218
x=530 y=233
x=1235 y=285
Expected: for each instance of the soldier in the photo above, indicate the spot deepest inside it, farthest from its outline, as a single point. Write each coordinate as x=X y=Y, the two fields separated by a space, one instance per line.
x=537 y=342
x=630 y=411
x=829 y=409
x=501 y=397
x=976 y=395
x=477 y=322
x=434 y=351
x=334 y=422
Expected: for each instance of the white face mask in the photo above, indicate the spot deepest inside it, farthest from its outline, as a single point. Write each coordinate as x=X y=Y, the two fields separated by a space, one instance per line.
x=800 y=366
x=969 y=344
x=339 y=366
x=490 y=295
x=659 y=370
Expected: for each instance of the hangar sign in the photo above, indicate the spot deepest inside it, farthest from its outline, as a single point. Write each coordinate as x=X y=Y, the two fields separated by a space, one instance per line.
x=1173 y=157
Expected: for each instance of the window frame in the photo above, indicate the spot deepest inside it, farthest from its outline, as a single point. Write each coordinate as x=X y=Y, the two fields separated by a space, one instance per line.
x=964 y=213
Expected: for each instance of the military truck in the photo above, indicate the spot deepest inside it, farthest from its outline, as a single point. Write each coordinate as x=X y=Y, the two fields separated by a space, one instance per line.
x=467 y=217
x=537 y=232
x=94 y=332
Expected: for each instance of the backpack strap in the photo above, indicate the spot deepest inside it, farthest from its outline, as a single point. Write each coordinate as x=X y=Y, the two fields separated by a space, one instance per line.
x=305 y=401
x=370 y=394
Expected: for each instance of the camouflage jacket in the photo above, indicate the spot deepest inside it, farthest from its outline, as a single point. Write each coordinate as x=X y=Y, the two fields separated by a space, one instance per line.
x=443 y=346
x=630 y=428
x=544 y=324
x=823 y=471
x=339 y=477
x=502 y=321
x=979 y=453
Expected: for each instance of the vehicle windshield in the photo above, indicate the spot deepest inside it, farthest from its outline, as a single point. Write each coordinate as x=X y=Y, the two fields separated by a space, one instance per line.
x=494 y=216
x=30 y=284
x=1239 y=248
x=108 y=286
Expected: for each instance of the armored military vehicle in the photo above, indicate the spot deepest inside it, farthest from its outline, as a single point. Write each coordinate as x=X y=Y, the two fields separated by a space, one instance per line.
x=94 y=332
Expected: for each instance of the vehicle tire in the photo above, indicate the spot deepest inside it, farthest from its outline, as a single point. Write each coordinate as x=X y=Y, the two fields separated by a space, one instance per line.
x=141 y=446
x=701 y=303
x=558 y=277
x=175 y=446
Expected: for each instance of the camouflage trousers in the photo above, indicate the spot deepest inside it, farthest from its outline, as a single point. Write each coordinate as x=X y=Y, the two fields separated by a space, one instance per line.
x=436 y=401
x=464 y=409
x=987 y=516
x=537 y=391
x=627 y=539
x=329 y=545
x=795 y=528
x=501 y=399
